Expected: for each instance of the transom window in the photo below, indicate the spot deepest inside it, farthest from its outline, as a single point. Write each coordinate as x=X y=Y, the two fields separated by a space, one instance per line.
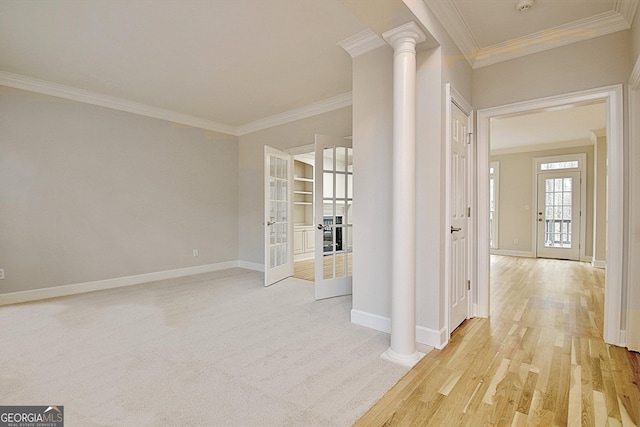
x=574 y=164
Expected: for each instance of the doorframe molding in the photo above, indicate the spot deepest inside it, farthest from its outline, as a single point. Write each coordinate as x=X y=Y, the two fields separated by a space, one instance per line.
x=453 y=96
x=582 y=169
x=633 y=273
x=613 y=95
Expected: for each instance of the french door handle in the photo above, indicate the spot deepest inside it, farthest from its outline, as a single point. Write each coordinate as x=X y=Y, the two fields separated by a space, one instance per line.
x=270 y=223
x=454 y=229
x=320 y=226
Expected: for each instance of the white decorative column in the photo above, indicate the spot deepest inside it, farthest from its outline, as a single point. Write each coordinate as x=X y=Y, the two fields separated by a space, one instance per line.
x=403 y=262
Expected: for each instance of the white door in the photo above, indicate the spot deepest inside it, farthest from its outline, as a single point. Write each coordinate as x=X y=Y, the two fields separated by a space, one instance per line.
x=558 y=231
x=278 y=224
x=333 y=216
x=459 y=205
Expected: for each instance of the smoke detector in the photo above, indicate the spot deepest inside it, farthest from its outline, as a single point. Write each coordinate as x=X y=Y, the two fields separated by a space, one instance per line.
x=524 y=5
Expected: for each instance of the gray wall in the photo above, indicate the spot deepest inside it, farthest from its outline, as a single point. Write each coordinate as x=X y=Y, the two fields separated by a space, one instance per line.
x=89 y=193
x=251 y=165
x=516 y=191
x=594 y=63
x=635 y=36
x=372 y=155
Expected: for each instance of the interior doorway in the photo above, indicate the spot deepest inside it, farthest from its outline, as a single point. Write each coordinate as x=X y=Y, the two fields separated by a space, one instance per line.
x=612 y=97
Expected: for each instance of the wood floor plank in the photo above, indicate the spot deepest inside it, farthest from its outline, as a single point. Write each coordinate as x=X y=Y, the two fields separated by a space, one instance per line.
x=538 y=360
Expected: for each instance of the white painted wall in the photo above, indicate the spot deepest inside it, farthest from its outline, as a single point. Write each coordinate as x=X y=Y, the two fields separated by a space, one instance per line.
x=88 y=193
x=250 y=171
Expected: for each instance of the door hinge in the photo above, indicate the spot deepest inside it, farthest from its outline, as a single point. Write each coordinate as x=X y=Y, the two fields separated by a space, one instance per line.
x=469 y=138
x=469 y=212
x=468 y=285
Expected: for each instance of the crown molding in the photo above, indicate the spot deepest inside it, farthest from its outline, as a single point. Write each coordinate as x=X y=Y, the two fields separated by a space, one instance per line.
x=562 y=35
x=451 y=19
x=626 y=8
x=324 y=106
x=618 y=19
x=361 y=43
x=31 y=84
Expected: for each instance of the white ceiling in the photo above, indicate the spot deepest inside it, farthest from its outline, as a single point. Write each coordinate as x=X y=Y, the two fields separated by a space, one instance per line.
x=237 y=65
x=567 y=126
x=227 y=61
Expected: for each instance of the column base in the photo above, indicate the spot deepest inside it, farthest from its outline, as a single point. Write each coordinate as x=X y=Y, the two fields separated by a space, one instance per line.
x=402 y=359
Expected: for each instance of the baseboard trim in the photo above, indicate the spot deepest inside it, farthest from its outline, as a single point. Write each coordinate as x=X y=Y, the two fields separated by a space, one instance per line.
x=426 y=336
x=251 y=266
x=598 y=263
x=371 y=321
x=432 y=337
x=505 y=252
x=118 y=282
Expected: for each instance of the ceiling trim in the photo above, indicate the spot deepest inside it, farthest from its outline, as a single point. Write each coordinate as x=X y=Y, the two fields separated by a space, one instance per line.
x=31 y=84
x=562 y=35
x=324 y=106
x=451 y=19
x=598 y=25
x=361 y=43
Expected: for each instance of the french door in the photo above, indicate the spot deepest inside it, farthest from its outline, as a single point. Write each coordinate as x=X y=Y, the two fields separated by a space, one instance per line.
x=558 y=215
x=278 y=225
x=333 y=216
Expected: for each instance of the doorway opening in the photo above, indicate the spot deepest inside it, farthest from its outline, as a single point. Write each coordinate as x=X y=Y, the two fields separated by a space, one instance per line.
x=611 y=97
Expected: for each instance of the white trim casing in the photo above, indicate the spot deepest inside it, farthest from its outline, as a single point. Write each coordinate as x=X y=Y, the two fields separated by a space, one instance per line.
x=613 y=95
x=118 y=282
x=632 y=335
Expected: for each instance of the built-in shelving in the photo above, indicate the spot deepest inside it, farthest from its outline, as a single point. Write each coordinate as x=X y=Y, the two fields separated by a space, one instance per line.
x=302 y=193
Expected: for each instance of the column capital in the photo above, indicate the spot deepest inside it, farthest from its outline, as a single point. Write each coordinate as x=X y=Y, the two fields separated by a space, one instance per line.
x=404 y=33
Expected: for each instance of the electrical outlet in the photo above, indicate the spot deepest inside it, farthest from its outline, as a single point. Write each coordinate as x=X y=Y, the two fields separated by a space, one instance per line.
x=196 y=252
x=1 y=273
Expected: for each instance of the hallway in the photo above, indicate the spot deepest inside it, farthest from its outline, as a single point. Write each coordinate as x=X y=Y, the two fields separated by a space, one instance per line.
x=539 y=360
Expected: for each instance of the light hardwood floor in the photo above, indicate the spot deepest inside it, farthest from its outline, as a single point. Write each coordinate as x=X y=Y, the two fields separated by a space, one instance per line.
x=539 y=359
x=306 y=269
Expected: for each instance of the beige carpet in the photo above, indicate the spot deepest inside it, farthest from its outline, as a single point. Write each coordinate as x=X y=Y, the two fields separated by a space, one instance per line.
x=215 y=349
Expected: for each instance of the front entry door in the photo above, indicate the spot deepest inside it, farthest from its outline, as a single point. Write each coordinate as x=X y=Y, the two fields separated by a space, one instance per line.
x=459 y=204
x=558 y=219
x=333 y=216
x=278 y=224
